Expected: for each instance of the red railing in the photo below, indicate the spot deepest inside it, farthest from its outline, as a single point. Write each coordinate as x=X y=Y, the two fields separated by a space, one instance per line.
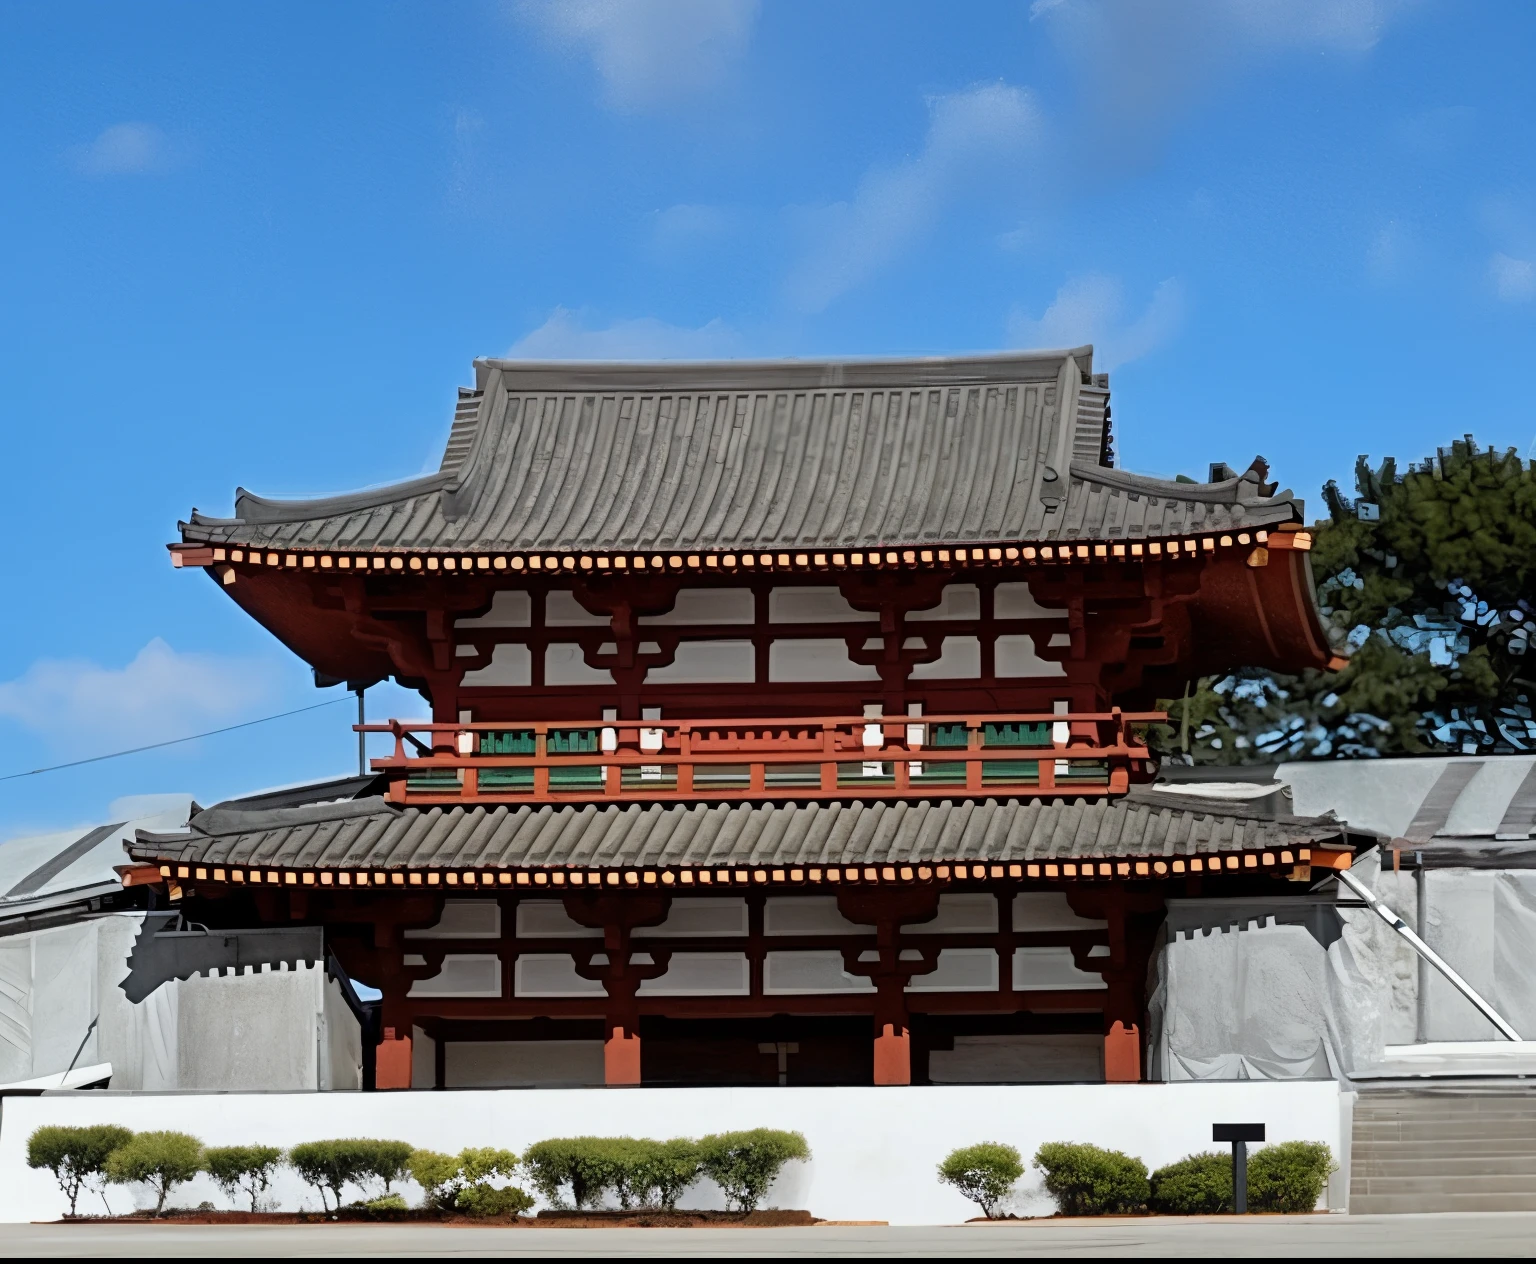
x=863 y=757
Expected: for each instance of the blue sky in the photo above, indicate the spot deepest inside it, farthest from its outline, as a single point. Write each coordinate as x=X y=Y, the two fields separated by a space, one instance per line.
x=260 y=245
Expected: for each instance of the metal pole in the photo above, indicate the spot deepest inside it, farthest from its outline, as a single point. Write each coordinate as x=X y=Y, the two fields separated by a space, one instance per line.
x=1426 y=952
x=1240 y=1177
x=362 y=738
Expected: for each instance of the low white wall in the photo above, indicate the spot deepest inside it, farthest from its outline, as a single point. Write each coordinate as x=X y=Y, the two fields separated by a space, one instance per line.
x=874 y=1150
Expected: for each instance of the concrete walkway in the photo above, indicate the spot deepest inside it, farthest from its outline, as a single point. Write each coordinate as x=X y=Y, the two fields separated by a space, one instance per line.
x=1448 y=1234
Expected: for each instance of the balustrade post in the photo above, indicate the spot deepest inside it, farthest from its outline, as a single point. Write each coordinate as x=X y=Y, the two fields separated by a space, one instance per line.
x=973 y=735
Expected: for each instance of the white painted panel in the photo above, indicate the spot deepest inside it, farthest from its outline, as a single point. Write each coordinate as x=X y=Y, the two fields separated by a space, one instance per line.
x=696 y=917
x=1050 y=970
x=805 y=915
x=960 y=970
x=551 y=974
x=509 y=665
x=960 y=601
x=1015 y=656
x=808 y=972
x=1049 y=910
x=959 y=914
x=562 y=610
x=564 y=665
x=706 y=605
x=1015 y=601
x=702 y=974
x=873 y=1148
x=814 y=660
x=464 y=975
x=707 y=662
x=814 y=605
x=509 y=609
x=464 y=919
x=522 y=1063
x=960 y=658
x=540 y=918
x=1020 y=1059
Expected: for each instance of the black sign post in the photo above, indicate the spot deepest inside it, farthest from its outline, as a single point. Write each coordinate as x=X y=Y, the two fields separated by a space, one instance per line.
x=1239 y=1135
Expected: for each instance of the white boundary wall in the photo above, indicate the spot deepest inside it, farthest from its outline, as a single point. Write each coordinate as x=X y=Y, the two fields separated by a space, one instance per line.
x=874 y=1150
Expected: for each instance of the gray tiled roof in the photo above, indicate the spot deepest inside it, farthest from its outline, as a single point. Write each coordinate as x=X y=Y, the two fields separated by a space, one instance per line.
x=370 y=833
x=772 y=454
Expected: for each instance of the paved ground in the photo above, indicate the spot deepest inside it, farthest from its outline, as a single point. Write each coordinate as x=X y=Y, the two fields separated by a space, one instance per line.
x=1449 y=1234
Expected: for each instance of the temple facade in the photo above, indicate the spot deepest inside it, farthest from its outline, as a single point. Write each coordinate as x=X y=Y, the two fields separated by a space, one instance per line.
x=786 y=724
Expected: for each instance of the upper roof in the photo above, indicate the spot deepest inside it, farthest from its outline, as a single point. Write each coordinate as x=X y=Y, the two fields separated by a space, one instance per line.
x=766 y=454
x=370 y=833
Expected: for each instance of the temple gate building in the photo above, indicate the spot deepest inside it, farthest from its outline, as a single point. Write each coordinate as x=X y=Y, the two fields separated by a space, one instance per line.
x=787 y=725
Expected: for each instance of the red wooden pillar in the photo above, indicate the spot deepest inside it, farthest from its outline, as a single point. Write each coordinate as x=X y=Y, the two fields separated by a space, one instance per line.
x=1133 y=917
x=617 y=916
x=889 y=910
x=392 y=1062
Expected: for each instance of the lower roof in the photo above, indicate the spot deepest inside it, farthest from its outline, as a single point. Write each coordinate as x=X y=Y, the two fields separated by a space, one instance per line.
x=369 y=833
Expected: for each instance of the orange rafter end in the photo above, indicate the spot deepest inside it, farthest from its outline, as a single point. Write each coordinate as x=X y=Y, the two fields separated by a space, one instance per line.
x=139 y=875
x=1337 y=663
x=1331 y=859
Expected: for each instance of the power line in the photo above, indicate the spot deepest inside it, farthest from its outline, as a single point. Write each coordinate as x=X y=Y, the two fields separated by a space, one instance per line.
x=175 y=741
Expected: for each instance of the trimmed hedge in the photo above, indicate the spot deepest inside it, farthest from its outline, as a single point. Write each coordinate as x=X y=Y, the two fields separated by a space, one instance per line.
x=75 y=1155
x=332 y=1165
x=984 y=1173
x=161 y=1159
x=243 y=1169
x=1197 y=1185
x=1086 y=1180
x=745 y=1164
x=1288 y=1176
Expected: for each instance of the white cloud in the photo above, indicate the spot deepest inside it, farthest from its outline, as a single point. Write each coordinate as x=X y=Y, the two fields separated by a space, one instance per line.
x=563 y=337
x=982 y=132
x=650 y=52
x=1142 y=65
x=1514 y=280
x=1091 y=309
x=123 y=149
x=686 y=225
x=161 y=694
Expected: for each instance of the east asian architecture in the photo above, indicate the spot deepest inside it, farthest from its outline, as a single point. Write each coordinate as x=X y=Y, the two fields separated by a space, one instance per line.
x=783 y=722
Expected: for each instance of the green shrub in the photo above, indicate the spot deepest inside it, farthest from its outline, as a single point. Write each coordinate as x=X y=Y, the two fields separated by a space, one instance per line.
x=386 y=1161
x=1288 y=1176
x=1088 y=1181
x=74 y=1155
x=984 y=1173
x=745 y=1164
x=1197 y=1185
x=584 y=1166
x=440 y=1176
x=161 y=1159
x=331 y=1165
x=389 y=1202
x=489 y=1200
x=243 y=1169
x=668 y=1169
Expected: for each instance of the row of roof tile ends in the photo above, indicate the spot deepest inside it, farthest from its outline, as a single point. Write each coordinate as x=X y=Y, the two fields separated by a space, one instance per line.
x=764 y=455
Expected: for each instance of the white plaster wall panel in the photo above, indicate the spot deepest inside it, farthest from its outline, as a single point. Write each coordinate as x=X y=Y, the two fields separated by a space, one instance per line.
x=969 y=912
x=1015 y=656
x=806 y=915
x=873 y=1149
x=564 y=664
x=510 y=665
x=1051 y=970
x=702 y=974
x=1015 y=601
x=698 y=917
x=562 y=610
x=510 y=608
x=959 y=659
x=16 y=1008
x=706 y=605
x=548 y=919
x=341 y=1042
x=960 y=970
x=119 y=1030
x=551 y=974
x=808 y=972
x=463 y=975
x=522 y=1063
x=813 y=660
x=464 y=919
x=249 y=1031
x=960 y=601
x=814 y=605
x=1020 y=1059
x=1049 y=910
x=63 y=996
x=423 y=1058
x=707 y=663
